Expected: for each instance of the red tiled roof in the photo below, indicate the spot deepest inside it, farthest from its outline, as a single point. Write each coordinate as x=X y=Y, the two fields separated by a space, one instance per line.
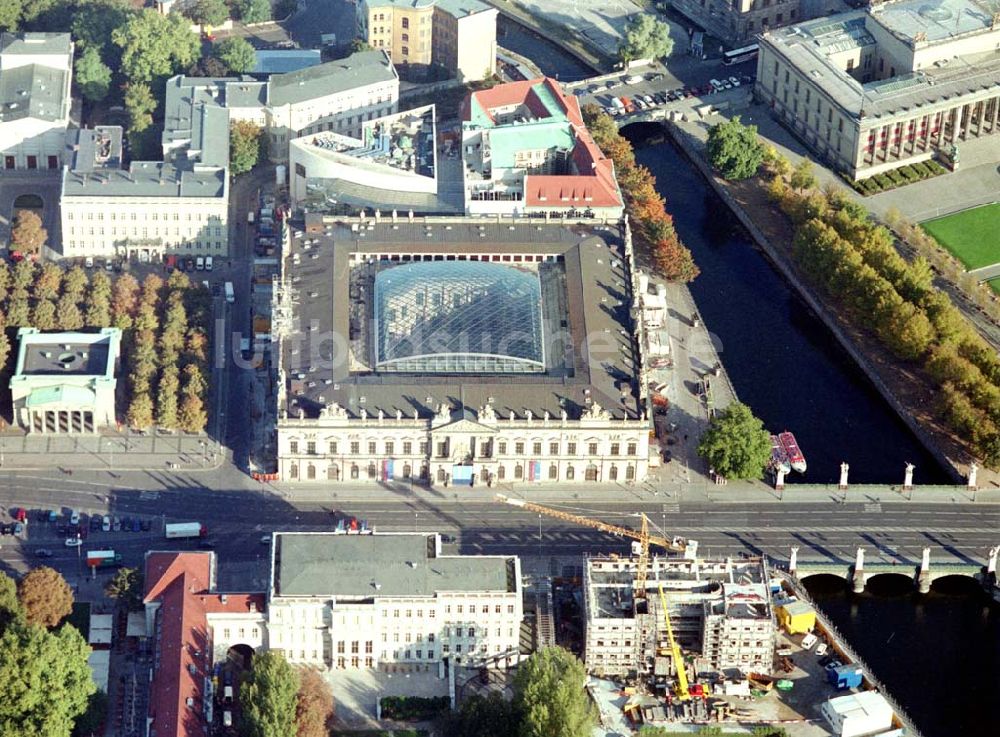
x=594 y=184
x=180 y=582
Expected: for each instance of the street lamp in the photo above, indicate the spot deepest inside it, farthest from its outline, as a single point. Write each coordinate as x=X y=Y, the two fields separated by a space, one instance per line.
x=539 y=535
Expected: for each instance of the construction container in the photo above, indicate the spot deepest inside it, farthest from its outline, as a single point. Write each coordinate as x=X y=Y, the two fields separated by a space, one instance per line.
x=796 y=617
x=844 y=676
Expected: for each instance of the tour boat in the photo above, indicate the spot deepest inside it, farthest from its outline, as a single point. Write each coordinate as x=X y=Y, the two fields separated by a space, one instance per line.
x=791 y=447
x=779 y=459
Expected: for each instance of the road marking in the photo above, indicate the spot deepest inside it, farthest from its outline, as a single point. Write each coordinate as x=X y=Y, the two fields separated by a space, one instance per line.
x=674 y=508
x=873 y=508
x=149 y=496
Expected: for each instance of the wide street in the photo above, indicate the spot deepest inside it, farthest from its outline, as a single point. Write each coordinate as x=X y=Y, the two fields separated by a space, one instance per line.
x=239 y=512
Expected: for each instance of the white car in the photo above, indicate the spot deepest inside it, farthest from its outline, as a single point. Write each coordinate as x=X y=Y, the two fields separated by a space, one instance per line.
x=734 y=81
x=89 y=262
x=74 y=517
x=106 y=524
x=821 y=649
x=73 y=542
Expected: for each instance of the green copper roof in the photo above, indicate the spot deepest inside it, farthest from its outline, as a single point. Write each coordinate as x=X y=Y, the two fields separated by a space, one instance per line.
x=72 y=395
x=507 y=141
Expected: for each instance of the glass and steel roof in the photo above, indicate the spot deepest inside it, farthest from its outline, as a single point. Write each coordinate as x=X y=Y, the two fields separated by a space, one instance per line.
x=458 y=317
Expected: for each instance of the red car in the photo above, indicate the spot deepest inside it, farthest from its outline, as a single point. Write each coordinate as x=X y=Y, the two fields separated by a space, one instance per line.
x=19 y=513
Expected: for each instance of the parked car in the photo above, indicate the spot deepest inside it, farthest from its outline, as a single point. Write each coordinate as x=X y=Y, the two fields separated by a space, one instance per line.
x=822 y=648
x=734 y=81
x=116 y=524
x=206 y=545
x=208 y=263
x=136 y=525
x=199 y=263
x=43 y=553
x=18 y=528
x=6 y=529
x=89 y=262
x=95 y=523
x=73 y=542
x=74 y=517
x=19 y=513
x=126 y=524
x=106 y=524
x=265 y=539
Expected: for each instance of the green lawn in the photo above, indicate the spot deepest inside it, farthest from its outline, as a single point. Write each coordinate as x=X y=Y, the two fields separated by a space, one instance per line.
x=973 y=236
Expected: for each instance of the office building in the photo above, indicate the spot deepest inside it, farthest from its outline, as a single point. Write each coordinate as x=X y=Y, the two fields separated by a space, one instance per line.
x=36 y=71
x=457 y=36
x=458 y=352
x=737 y=23
x=526 y=150
x=893 y=84
x=350 y=601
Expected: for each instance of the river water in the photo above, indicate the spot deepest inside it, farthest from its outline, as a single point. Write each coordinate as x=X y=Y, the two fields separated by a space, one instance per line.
x=938 y=654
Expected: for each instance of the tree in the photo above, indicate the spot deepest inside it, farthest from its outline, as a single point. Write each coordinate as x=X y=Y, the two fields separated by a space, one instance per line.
x=484 y=716
x=10 y=607
x=93 y=76
x=550 y=697
x=75 y=282
x=155 y=45
x=45 y=682
x=70 y=317
x=24 y=274
x=46 y=597
x=253 y=11
x=91 y=721
x=734 y=149
x=244 y=146
x=140 y=410
x=236 y=53
x=191 y=417
x=314 y=707
x=124 y=300
x=208 y=12
x=93 y=22
x=126 y=587
x=10 y=14
x=166 y=398
x=646 y=37
x=28 y=235
x=43 y=316
x=48 y=281
x=208 y=66
x=139 y=105
x=270 y=697
x=18 y=309
x=803 y=175
x=736 y=445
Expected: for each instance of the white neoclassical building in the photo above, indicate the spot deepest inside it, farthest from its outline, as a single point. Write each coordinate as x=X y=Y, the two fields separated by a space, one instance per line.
x=456 y=352
x=65 y=382
x=346 y=601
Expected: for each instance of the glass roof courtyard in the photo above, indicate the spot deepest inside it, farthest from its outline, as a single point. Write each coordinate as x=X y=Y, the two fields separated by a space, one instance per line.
x=458 y=317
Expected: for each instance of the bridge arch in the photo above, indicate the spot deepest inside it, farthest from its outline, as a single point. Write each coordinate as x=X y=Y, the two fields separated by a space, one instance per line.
x=890 y=582
x=819 y=576
x=29 y=201
x=956 y=584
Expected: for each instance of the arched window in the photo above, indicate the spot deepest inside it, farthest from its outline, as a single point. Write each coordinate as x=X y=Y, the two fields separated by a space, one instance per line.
x=311 y=472
x=518 y=471
x=406 y=470
x=372 y=471
x=333 y=472
x=570 y=473
x=553 y=472
x=501 y=473
x=630 y=473
x=591 y=472
x=441 y=475
x=293 y=471
x=355 y=471
x=613 y=473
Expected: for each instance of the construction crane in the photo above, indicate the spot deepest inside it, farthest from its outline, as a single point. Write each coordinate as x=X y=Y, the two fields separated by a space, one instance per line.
x=643 y=538
x=675 y=652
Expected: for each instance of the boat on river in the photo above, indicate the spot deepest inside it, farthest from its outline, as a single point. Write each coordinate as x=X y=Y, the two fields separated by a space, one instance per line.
x=791 y=447
x=779 y=459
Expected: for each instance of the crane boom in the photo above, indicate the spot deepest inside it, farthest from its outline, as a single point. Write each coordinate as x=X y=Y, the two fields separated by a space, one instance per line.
x=675 y=652
x=678 y=544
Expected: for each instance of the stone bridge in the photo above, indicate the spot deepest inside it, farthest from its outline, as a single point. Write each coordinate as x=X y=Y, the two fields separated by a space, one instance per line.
x=923 y=574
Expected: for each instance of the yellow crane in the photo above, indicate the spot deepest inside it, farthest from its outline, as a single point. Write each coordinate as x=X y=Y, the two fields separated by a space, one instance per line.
x=643 y=537
x=675 y=652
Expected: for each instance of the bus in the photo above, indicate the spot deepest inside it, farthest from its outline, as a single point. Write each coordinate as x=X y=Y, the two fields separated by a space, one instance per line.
x=740 y=55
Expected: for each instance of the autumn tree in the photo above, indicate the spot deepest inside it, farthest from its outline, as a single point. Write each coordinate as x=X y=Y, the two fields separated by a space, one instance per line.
x=24 y=274
x=244 y=146
x=68 y=312
x=124 y=301
x=75 y=283
x=43 y=316
x=46 y=597
x=166 y=397
x=140 y=410
x=27 y=234
x=18 y=309
x=98 y=302
x=126 y=587
x=314 y=708
x=191 y=416
x=48 y=281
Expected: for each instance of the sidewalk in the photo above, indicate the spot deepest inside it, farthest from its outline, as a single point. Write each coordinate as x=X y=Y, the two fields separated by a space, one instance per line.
x=69 y=453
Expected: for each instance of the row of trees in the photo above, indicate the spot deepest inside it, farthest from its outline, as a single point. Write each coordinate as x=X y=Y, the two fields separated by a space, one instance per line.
x=279 y=700
x=857 y=263
x=45 y=683
x=549 y=701
x=646 y=208
x=167 y=359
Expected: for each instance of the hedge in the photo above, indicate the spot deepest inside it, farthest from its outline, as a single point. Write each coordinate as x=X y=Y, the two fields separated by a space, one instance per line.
x=414 y=708
x=906 y=174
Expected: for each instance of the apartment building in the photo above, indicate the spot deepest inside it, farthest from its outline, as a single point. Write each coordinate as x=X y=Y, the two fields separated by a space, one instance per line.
x=477 y=357
x=737 y=22
x=36 y=71
x=458 y=36
x=719 y=609
x=892 y=84
x=350 y=601
x=526 y=150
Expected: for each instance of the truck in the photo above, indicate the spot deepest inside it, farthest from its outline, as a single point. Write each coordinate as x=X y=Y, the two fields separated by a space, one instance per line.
x=177 y=530
x=103 y=559
x=230 y=295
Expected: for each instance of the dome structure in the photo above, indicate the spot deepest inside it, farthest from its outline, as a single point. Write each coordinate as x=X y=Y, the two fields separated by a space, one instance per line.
x=458 y=317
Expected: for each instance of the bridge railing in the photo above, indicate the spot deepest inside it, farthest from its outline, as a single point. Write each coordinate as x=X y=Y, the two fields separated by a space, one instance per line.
x=851 y=654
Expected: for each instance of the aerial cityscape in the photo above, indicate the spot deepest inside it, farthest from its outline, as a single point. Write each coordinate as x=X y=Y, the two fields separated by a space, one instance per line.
x=498 y=368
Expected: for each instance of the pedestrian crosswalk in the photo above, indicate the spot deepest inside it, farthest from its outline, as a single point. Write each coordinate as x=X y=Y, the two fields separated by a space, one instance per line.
x=873 y=508
x=674 y=508
x=149 y=496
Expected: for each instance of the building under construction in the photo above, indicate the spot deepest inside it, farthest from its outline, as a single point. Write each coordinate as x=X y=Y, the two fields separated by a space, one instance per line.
x=719 y=610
